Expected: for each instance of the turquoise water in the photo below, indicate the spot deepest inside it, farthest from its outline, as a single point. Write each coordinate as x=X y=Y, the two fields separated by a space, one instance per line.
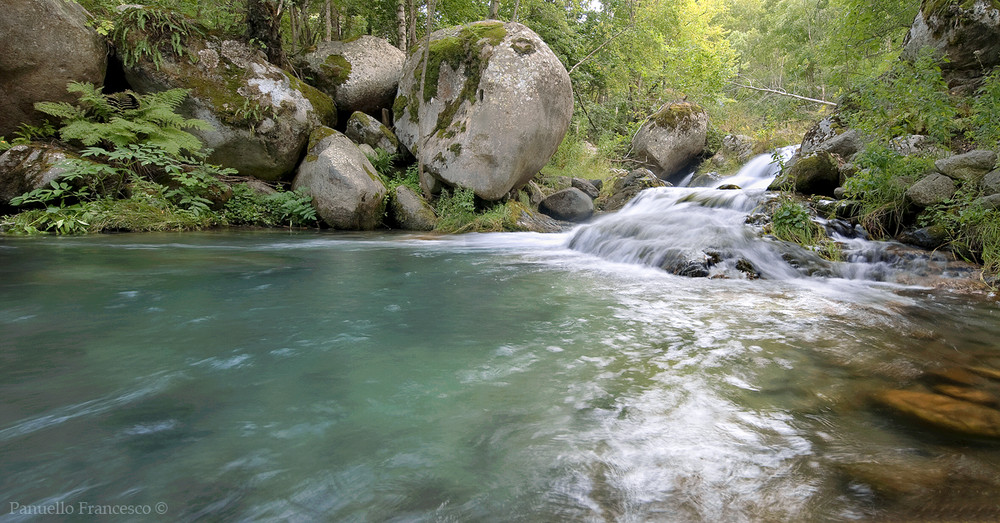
x=330 y=376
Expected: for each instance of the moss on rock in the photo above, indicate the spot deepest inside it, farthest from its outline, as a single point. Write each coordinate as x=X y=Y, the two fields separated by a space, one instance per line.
x=679 y=115
x=321 y=102
x=337 y=69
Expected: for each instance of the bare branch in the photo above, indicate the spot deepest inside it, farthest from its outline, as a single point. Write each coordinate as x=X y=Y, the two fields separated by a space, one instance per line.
x=598 y=48
x=784 y=93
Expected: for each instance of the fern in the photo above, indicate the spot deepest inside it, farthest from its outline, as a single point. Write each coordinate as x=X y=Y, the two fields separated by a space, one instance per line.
x=98 y=119
x=145 y=33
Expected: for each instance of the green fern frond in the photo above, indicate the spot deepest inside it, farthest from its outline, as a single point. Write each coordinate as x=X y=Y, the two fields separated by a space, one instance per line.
x=60 y=110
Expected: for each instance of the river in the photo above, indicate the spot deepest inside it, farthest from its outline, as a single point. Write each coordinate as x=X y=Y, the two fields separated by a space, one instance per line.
x=482 y=377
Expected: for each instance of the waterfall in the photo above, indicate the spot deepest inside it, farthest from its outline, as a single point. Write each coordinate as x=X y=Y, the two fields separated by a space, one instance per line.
x=711 y=232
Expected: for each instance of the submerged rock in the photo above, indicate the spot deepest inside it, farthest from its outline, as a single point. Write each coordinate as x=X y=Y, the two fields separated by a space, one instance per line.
x=261 y=116
x=360 y=75
x=46 y=44
x=496 y=104
x=346 y=191
x=672 y=138
x=943 y=412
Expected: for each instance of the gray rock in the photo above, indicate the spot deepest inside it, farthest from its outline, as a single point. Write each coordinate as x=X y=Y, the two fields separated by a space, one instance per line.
x=364 y=129
x=572 y=205
x=24 y=168
x=346 y=191
x=822 y=132
x=360 y=75
x=368 y=150
x=500 y=107
x=535 y=194
x=411 y=212
x=628 y=186
x=925 y=237
x=672 y=138
x=586 y=187
x=969 y=166
x=46 y=44
x=965 y=35
x=527 y=219
x=991 y=202
x=706 y=180
x=737 y=146
x=598 y=184
x=990 y=183
x=261 y=116
x=915 y=145
x=930 y=190
x=815 y=173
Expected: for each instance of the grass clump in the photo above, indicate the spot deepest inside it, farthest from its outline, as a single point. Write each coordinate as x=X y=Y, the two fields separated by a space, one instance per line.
x=458 y=213
x=791 y=222
x=880 y=186
x=146 y=33
x=284 y=208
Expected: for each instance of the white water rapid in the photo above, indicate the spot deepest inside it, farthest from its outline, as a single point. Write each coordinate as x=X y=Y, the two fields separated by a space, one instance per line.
x=712 y=232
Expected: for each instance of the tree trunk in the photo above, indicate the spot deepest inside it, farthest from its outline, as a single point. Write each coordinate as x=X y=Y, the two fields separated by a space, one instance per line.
x=411 y=24
x=329 y=22
x=401 y=20
x=517 y=5
x=494 y=9
x=263 y=24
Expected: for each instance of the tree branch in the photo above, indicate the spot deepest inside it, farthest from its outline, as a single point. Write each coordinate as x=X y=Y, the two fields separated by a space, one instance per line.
x=784 y=93
x=598 y=48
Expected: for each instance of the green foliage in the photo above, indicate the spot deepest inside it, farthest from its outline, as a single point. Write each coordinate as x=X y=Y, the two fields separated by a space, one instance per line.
x=972 y=227
x=881 y=184
x=911 y=99
x=146 y=33
x=27 y=133
x=122 y=119
x=458 y=213
x=577 y=158
x=985 y=120
x=791 y=222
x=283 y=208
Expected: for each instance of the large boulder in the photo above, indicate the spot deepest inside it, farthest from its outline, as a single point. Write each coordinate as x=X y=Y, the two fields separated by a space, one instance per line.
x=496 y=104
x=364 y=129
x=572 y=205
x=360 y=75
x=346 y=191
x=46 y=44
x=410 y=211
x=24 y=168
x=672 y=138
x=964 y=34
x=261 y=116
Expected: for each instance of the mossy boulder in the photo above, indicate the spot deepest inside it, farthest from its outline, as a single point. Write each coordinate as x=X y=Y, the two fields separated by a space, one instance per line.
x=346 y=191
x=627 y=186
x=360 y=75
x=817 y=173
x=672 y=138
x=964 y=34
x=409 y=211
x=364 y=129
x=46 y=44
x=261 y=115
x=24 y=168
x=491 y=111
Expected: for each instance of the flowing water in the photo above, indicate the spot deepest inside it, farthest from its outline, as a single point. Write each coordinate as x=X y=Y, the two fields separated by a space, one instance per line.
x=491 y=377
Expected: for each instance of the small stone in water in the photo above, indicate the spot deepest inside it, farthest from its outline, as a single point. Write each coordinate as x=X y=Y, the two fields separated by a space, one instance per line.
x=943 y=412
x=964 y=393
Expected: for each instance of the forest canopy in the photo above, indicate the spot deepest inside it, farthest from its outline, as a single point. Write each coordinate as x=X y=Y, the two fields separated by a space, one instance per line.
x=628 y=57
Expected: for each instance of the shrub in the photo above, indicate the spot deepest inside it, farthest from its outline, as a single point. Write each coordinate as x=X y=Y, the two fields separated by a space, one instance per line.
x=284 y=208
x=880 y=185
x=457 y=213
